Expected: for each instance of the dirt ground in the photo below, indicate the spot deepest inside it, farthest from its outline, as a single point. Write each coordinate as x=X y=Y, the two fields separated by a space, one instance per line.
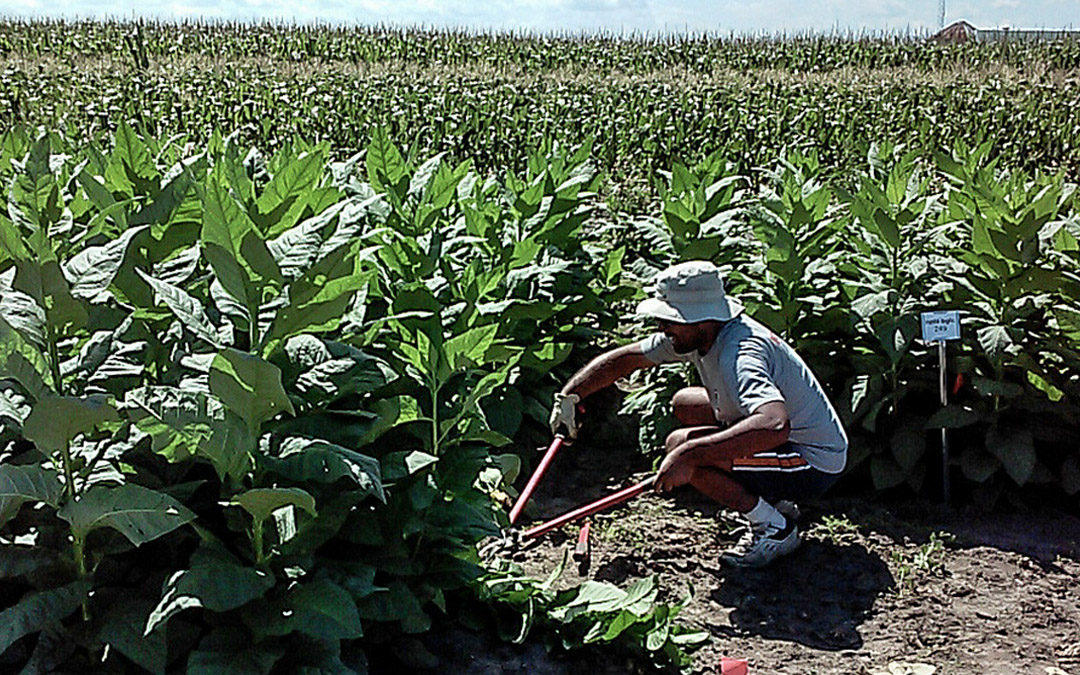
x=876 y=584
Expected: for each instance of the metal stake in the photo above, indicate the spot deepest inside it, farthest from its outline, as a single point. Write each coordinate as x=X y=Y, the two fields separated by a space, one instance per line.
x=944 y=431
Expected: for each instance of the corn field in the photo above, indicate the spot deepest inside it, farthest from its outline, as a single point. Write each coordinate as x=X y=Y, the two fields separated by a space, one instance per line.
x=648 y=102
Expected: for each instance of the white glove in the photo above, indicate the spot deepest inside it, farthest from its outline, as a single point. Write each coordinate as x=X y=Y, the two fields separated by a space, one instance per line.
x=563 y=413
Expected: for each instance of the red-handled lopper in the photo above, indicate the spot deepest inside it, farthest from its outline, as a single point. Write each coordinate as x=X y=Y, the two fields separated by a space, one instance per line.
x=589 y=509
x=519 y=505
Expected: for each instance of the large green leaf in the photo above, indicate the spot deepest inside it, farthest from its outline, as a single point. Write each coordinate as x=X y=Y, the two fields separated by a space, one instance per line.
x=233 y=246
x=176 y=194
x=953 y=416
x=231 y=276
x=318 y=300
x=321 y=371
x=292 y=179
x=995 y=341
x=395 y=602
x=54 y=422
x=129 y=149
x=187 y=309
x=318 y=608
x=385 y=165
x=978 y=465
x=218 y=587
x=186 y=423
x=16 y=560
x=225 y=222
x=468 y=348
x=398 y=465
x=20 y=484
x=21 y=312
x=249 y=386
x=121 y=627
x=21 y=361
x=886 y=473
x=298 y=248
x=908 y=444
x=138 y=513
x=304 y=460
x=228 y=650
x=262 y=502
x=38 y=611
x=91 y=271
x=1016 y=450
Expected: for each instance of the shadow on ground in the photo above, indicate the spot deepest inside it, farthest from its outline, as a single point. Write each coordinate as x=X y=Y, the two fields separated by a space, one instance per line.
x=817 y=597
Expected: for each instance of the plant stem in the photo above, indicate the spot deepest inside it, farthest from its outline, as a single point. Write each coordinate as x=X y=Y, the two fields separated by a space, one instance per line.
x=253 y=330
x=79 y=550
x=257 y=542
x=69 y=471
x=434 y=417
x=54 y=360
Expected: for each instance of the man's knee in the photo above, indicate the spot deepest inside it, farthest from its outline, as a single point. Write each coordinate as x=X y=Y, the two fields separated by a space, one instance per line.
x=692 y=407
x=674 y=440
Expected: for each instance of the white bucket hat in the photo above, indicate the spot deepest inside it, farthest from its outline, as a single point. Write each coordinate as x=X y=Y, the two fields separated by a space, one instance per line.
x=690 y=292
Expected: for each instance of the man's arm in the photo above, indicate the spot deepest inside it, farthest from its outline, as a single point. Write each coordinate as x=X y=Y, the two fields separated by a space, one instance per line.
x=606 y=369
x=764 y=429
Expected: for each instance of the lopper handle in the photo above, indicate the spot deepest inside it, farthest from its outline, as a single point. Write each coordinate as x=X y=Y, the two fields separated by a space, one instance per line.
x=519 y=505
x=589 y=509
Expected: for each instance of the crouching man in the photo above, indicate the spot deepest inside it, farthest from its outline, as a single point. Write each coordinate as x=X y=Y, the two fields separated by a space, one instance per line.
x=759 y=428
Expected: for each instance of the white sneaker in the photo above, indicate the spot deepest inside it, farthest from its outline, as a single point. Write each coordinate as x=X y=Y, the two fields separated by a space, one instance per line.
x=763 y=546
x=789 y=508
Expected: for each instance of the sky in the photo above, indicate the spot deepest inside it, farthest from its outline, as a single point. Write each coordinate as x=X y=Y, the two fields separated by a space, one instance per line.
x=585 y=16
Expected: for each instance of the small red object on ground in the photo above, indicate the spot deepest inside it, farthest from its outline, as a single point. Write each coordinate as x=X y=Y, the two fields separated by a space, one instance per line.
x=733 y=666
x=581 y=551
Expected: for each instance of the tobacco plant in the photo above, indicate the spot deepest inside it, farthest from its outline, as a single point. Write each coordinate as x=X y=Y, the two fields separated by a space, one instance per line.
x=249 y=403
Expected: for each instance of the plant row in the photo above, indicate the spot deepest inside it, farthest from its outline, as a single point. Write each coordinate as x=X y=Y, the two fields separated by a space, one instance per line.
x=257 y=411
x=446 y=92
x=639 y=127
x=145 y=41
x=844 y=273
x=251 y=406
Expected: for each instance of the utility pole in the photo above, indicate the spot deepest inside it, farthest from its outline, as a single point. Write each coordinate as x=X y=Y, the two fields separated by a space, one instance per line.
x=941 y=14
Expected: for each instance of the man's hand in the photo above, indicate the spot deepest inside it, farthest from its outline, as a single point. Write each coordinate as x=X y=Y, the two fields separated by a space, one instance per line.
x=675 y=471
x=564 y=413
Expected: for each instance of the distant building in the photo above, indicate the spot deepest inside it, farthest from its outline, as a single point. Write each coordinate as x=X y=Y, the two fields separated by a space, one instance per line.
x=962 y=31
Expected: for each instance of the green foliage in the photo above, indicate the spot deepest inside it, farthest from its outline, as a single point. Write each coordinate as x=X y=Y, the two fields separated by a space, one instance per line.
x=291 y=378
x=595 y=612
x=925 y=561
x=286 y=379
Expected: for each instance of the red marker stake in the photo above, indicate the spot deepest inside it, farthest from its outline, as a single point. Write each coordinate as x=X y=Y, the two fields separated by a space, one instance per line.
x=589 y=509
x=519 y=505
x=581 y=551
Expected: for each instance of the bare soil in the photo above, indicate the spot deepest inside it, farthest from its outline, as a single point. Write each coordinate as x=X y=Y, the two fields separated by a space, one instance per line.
x=876 y=583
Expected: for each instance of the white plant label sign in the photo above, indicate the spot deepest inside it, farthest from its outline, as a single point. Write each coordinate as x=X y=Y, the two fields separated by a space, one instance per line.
x=939 y=326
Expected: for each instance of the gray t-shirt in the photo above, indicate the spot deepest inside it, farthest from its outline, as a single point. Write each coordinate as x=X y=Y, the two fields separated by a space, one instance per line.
x=749 y=366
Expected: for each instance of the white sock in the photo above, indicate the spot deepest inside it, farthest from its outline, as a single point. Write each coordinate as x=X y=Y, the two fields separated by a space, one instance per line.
x=765 y=516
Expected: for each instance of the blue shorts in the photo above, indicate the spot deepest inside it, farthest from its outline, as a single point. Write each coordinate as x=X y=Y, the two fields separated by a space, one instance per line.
x=781 y=473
